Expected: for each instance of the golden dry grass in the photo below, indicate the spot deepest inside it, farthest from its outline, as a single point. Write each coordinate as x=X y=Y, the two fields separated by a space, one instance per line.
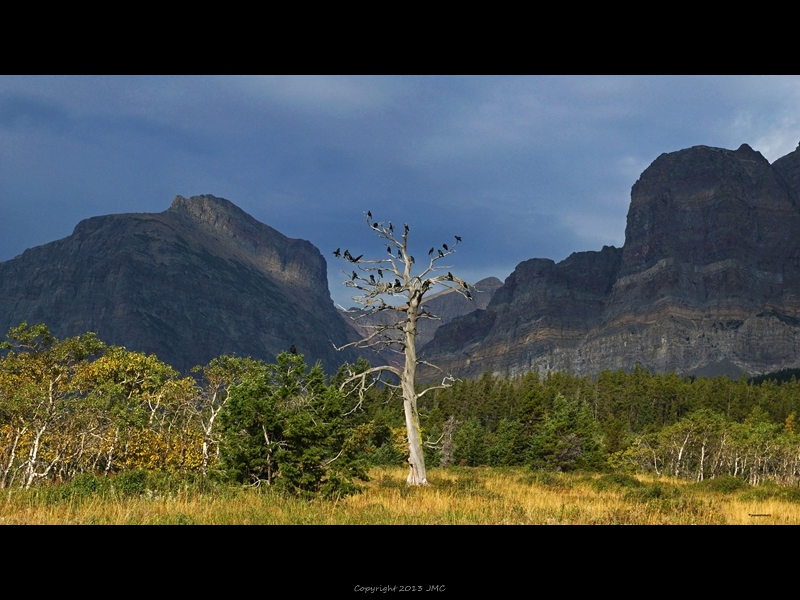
x=456 y=496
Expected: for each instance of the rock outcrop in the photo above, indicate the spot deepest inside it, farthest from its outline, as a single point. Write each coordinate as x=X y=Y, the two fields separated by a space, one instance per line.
x=708 y=282
x=199 y=280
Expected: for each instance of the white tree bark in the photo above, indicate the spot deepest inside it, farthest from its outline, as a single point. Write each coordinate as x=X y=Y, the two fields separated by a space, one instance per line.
x=403 y=333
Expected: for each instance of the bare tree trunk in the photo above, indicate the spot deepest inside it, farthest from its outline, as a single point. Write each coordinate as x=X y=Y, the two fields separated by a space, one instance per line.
x=33 y=455
x=12 y=456
x=208 y=428
x=680 y=454
x=416 y=460
x=447 y=444
x=111 y=449
x=702 y=460
x=399 y=265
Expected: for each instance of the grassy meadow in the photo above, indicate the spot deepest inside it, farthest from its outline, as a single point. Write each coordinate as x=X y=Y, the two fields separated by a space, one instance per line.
x=457 y=495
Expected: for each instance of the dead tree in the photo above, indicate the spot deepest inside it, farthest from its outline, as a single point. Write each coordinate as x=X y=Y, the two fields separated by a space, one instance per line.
x=381 y=283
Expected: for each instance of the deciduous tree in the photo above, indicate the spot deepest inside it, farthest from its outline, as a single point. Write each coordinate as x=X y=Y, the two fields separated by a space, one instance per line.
x=39 y=395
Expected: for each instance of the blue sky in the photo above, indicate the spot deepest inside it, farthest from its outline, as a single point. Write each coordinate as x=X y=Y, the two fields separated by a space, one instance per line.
x=519 y=167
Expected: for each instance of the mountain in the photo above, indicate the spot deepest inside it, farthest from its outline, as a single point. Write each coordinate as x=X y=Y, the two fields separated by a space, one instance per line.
x=707 y=282
x=198 y=280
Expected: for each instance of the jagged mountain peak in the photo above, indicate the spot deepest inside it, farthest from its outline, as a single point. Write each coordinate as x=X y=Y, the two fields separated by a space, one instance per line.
x=220 y=215
x=200 y=279
x=707 y=282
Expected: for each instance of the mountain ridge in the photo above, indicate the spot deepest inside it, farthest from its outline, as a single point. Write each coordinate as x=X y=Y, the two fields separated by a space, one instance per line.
x=200 y=279
x=707 y=282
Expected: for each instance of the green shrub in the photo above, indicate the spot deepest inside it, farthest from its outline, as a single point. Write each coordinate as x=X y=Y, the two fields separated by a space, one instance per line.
x=84 y=485
x=727 y=484
x=130 y=483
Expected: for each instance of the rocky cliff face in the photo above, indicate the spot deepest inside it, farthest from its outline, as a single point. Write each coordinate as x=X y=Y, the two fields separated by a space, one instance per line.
x=201 y=279
x=708 y=282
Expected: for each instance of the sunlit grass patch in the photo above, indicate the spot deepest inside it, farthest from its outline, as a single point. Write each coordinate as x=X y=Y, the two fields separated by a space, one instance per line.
x=458 y=495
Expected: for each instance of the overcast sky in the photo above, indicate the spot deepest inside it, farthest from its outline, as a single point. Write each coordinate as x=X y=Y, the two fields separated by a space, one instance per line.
x=519 y=167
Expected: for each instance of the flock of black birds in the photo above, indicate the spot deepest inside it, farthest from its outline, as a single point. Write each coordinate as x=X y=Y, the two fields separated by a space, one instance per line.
x=397 y=285
x=354 y=259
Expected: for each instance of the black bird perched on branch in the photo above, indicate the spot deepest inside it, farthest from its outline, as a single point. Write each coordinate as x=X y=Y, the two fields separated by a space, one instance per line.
x=441 y=254
x=380 y=273
x=374 y=225
x=369 y=214
x=388 y=249
x=391 y=227
x=430 y=251
x=445 y=246
x=293 y=350
x=458 y=239
x=406 y=226
x=353 y=278
x=372 y=278
x=347 y=255
x=336 y=253
x=357 y=258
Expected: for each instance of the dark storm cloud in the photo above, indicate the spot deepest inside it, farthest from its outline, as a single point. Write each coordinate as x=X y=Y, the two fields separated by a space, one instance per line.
x=520 y=167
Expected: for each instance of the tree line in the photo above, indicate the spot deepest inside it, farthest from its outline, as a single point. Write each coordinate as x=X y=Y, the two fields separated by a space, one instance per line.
x=75 y=406
x=696 y=428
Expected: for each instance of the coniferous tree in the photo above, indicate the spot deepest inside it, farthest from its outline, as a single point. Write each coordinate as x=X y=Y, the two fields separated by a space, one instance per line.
x=285 y=427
